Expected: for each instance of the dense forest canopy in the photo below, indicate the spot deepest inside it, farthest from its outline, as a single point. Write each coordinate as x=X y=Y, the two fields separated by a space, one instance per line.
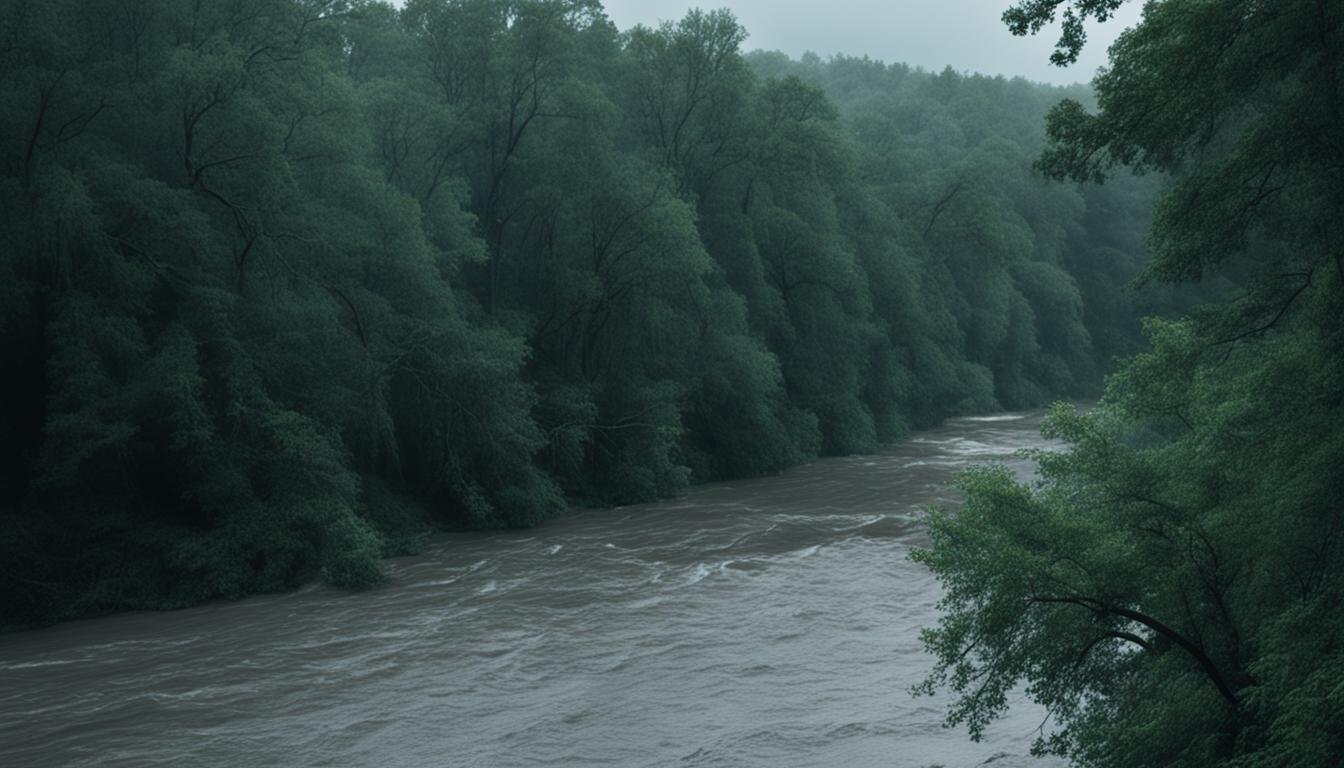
x=1171 y=588
x=288 y=282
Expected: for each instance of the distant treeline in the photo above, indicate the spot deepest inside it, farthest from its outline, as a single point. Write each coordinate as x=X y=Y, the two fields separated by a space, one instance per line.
x=285 y=283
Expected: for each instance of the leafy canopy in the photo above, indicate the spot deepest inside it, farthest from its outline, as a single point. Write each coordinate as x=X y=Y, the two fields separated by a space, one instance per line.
x=1169 y=586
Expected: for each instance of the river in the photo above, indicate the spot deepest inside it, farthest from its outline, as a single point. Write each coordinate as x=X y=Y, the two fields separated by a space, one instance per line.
x=771 y=622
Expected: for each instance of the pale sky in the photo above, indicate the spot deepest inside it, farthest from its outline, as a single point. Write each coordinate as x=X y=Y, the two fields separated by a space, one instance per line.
x=966 y=34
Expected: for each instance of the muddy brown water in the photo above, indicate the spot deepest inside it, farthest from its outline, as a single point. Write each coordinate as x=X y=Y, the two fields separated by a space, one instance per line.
x=771 y=622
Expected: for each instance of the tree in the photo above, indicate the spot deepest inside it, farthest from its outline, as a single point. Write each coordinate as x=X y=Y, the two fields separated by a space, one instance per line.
x=1165 y=587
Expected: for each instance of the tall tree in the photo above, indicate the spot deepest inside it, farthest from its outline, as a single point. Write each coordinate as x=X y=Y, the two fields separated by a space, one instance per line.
x=1170 y=587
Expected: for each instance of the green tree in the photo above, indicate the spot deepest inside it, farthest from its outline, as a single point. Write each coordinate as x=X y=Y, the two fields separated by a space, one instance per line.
x=1169 y=586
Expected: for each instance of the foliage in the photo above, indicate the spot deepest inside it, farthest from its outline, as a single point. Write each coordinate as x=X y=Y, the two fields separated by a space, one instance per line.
x=1169 y=586
x=287 y=284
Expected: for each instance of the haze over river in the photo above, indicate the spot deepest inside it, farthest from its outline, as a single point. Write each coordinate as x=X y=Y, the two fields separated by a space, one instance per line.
x=769 y=623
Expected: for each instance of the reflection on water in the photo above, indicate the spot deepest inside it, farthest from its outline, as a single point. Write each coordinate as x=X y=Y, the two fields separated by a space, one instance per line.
x=770 y=622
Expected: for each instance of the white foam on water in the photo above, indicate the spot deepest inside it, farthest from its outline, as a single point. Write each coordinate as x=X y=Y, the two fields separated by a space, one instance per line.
x=36 y=664
x=436 y=582
x=994 y=418
x=648 y=602
x=698 y=574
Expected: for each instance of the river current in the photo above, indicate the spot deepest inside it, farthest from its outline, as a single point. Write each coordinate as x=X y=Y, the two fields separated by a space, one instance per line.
x=771 y=622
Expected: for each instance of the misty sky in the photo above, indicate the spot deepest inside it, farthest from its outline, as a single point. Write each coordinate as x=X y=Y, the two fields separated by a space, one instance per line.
x=966 y=34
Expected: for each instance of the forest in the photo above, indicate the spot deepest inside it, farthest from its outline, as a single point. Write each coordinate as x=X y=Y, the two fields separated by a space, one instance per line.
x=290 y=284
x=287 y=286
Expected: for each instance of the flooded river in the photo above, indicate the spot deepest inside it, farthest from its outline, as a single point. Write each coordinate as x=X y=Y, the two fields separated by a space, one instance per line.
x=769 y=623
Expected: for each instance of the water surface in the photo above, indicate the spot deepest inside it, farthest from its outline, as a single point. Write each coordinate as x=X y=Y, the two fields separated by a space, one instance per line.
x=770 y=623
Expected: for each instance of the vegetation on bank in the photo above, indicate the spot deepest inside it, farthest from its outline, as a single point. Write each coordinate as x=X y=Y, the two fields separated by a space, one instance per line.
x=1171 y=588
x=284 y=283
